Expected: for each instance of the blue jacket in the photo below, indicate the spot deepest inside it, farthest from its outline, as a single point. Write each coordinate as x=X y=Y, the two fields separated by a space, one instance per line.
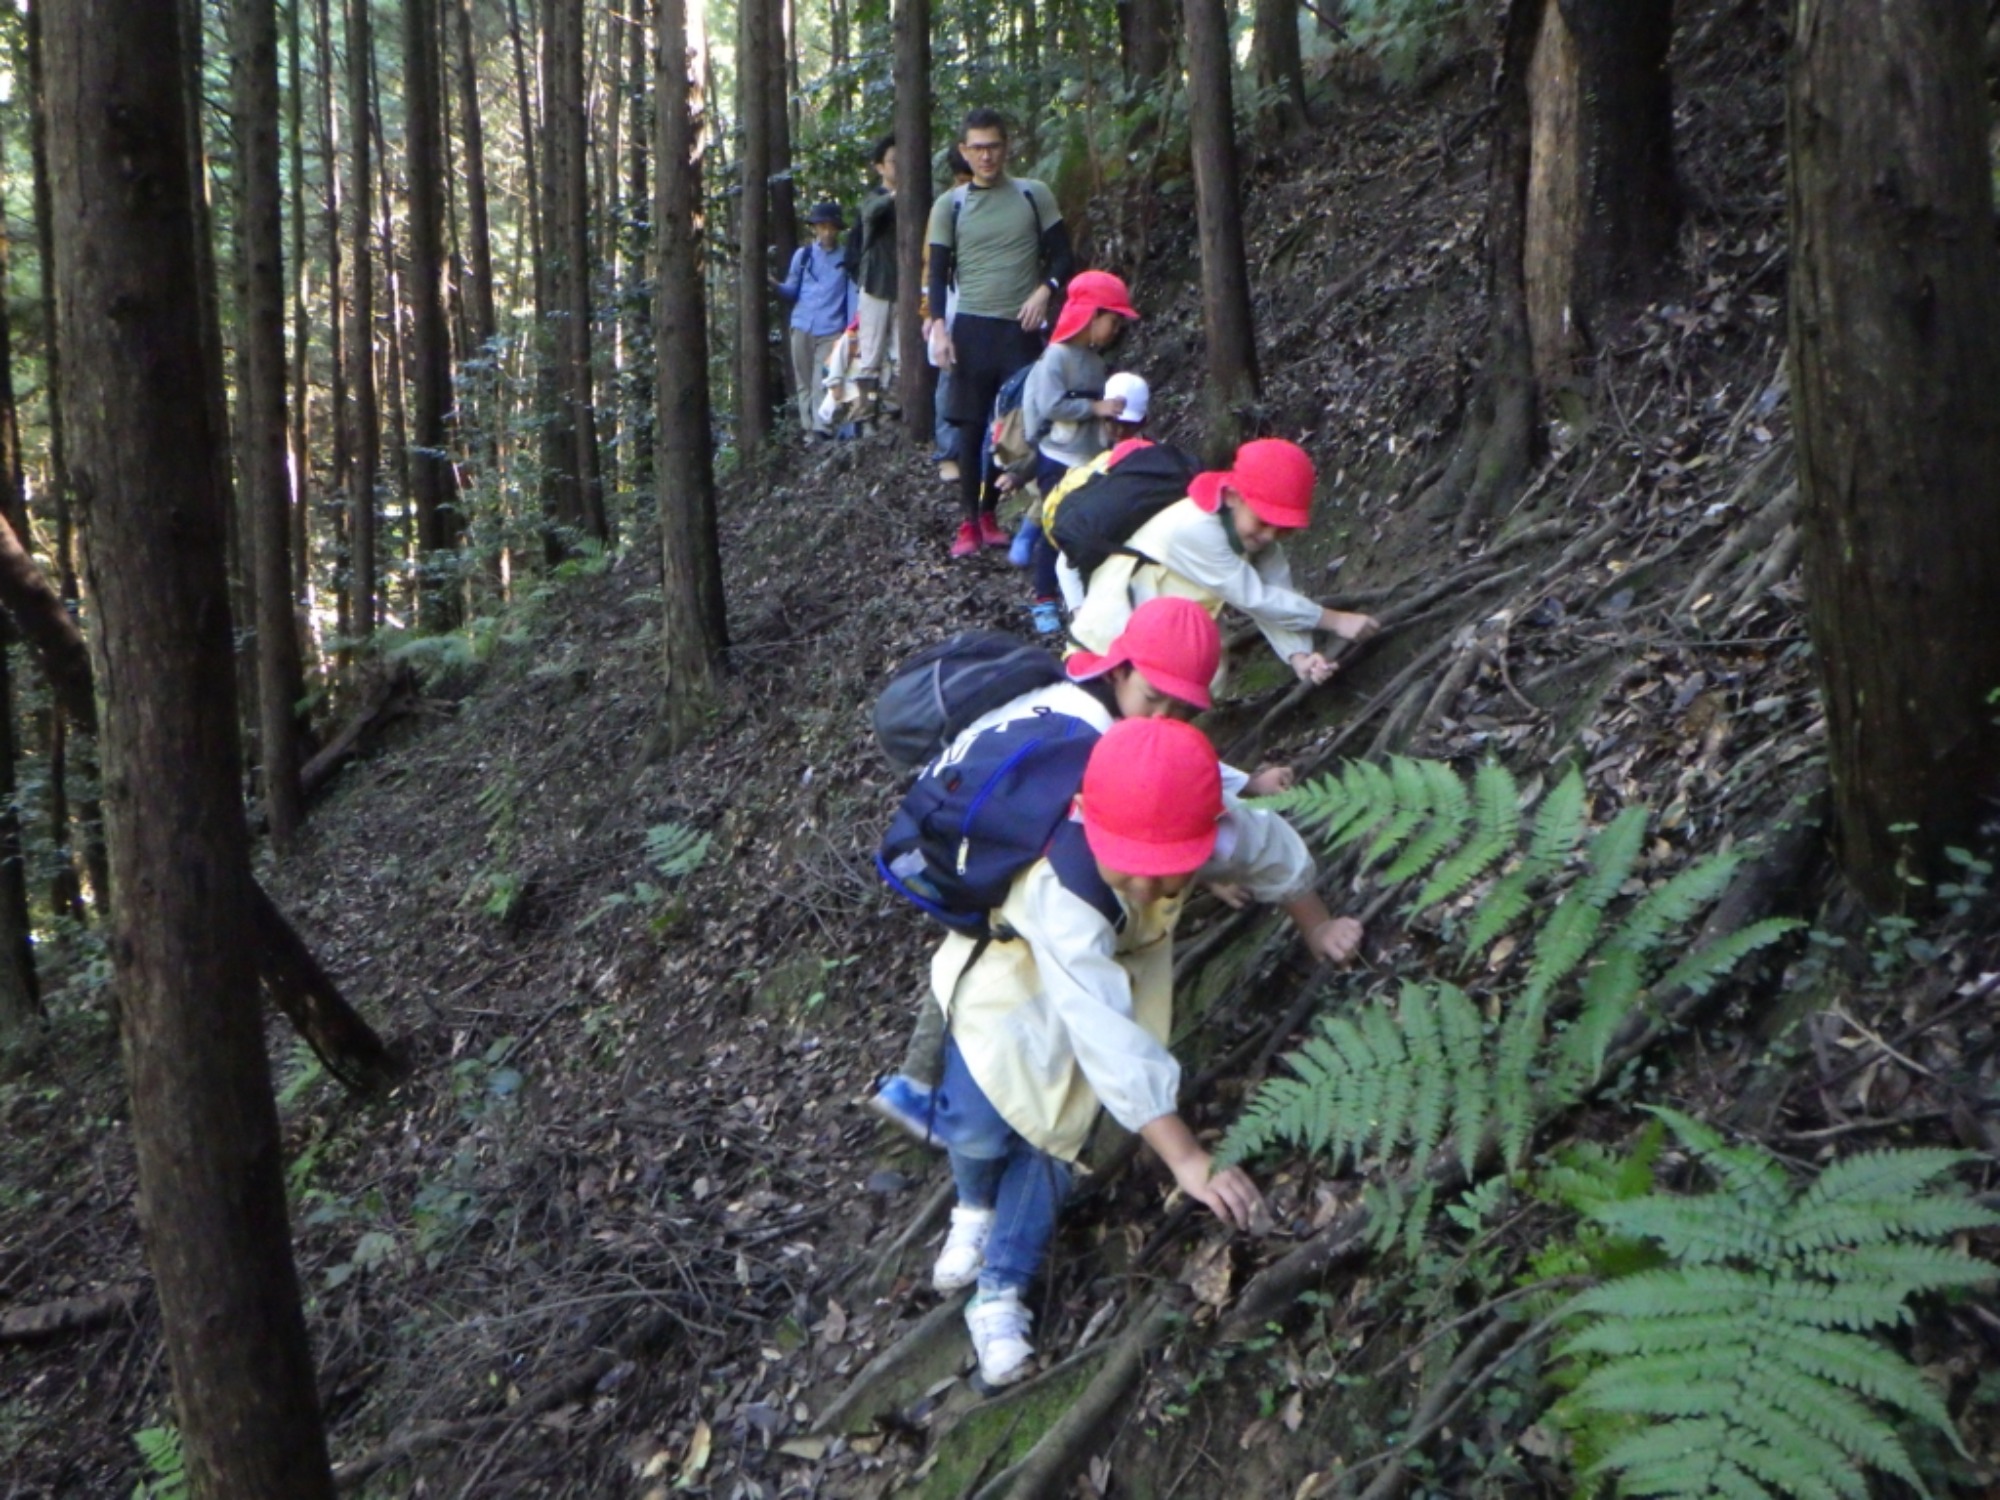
x=822 y=297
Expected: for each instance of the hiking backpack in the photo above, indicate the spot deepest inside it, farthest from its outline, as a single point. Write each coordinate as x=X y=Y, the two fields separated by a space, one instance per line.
x=981 y=814
x=1098 y=517
x=936 y=693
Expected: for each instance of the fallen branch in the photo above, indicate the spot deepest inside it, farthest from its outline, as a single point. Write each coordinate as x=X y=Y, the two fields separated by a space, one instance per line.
x=69 y=1315
x=296 y=984
x=391 y=697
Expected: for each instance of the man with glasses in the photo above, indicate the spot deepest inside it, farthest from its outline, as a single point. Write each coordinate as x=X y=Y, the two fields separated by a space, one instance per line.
x=1002 y=240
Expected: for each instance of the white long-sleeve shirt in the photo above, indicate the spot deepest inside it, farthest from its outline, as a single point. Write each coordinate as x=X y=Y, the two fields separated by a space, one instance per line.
x=1184 y=551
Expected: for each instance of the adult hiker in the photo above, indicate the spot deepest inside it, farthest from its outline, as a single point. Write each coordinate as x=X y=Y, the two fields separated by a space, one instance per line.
x=822 y=298
x=1002 y=240
x=1218 y=545
x=1070 y=1012
x=1158 y=668
x=872 y=262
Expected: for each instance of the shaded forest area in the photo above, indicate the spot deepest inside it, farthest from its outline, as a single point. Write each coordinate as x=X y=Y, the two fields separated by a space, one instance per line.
x=532 y=783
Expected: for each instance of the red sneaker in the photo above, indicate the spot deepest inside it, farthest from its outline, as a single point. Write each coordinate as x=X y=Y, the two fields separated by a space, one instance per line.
x=967 y=541
x=990 y=531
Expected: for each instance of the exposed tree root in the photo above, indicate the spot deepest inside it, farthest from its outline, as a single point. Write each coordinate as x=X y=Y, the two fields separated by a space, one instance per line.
x=942 y=1328
x=70 y=1314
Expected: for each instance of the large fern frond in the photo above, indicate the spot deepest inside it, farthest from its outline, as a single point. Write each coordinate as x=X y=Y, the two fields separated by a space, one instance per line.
x=1496 y=825
x=1750 y=1357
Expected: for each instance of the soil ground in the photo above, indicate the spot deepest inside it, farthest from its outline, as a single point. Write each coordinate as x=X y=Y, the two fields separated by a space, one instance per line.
x=626 y=1229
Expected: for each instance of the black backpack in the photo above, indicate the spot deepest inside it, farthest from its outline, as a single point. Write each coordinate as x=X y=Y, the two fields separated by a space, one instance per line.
x=1099 y=516
x=981 y=814
x=943 y=688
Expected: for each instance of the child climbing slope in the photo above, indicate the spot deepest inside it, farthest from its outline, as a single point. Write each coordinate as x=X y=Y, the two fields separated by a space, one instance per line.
x=1159 y=667
x=1067 y=1013
x=1220 y=545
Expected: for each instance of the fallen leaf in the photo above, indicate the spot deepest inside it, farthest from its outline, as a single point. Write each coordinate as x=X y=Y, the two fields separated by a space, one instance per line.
x=1208 y=1273
x=1294 y=1411
x=811 y=1449
x=697 y=1454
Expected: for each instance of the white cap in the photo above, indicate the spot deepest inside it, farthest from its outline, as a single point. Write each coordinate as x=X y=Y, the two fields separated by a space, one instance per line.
x=1135 y=391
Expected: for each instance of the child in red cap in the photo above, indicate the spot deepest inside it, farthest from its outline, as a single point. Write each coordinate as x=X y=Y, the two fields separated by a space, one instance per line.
x=1158 y=668
x=1220 y=546
x=1063 y=408
x=1067 y=1012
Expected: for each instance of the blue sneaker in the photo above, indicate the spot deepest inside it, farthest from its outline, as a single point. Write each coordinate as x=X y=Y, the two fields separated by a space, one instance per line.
x=1021 y=551
x=905 y=1104
x=1047 y=615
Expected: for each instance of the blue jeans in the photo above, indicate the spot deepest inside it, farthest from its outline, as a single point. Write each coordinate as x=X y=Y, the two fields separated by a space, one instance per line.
x=995 y=1168
x=945 y=433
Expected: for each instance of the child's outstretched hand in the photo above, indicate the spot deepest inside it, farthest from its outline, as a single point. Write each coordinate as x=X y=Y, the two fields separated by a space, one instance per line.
x=1230 y=1193
x=1267 y=780
x=1336 y=940
x=1311 y=667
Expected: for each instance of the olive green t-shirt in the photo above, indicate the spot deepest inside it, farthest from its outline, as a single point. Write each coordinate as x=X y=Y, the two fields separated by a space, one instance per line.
x=996 y=243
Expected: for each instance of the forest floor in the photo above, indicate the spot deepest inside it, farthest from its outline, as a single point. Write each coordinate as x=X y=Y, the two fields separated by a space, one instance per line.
x=627 y=1231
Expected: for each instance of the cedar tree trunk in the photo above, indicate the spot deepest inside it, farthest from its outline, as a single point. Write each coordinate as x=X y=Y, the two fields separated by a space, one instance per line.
x=755 y=67
x=914 y=191
x=1225 y=277
x=149 y=482
x=1895 y=336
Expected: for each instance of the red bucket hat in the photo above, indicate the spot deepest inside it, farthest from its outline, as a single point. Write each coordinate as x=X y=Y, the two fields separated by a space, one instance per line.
x=1090 y=293
x=1152 y=795
x=1173 y=643
x=1274 y=477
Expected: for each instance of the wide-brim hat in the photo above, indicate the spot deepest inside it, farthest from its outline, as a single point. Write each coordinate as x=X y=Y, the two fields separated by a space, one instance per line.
x=1088 y=294
x=1274 y=477
x=826 y=212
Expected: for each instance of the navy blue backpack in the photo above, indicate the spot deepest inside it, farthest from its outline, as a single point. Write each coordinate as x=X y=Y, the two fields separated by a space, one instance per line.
x=981 y=814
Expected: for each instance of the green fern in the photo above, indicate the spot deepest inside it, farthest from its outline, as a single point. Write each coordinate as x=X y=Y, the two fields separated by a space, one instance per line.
x=1404 y=1078
x=676 y=851
x=1745 y=1366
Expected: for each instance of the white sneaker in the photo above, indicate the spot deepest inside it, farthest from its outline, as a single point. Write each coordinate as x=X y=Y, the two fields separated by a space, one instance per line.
x=964 y=1252
x=999 y=1326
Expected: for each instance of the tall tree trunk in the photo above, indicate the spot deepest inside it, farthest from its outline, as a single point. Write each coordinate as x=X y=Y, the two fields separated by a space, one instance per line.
x=336 y=315
x=755 y=66
x=1145 y=40
x=432 y=481
x=1603 y=206
x=66 y=890
x=641 y=230
x=694 y=630
x=838 y=93
x=914 y=192
x=301 y=410
x=479 y=236
x=780 y=88
x=151 y=486
x=571 y=124
x=1232 y=384
x=1895 y=335
x=20 y=994
x=1280 y=68
x=261 y=338
x=365 y=451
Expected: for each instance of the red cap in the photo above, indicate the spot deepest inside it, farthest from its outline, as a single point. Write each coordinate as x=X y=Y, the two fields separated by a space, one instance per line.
x=1173 y=643
x=1090 y=293
x=1152 y=795
x=1274 y=477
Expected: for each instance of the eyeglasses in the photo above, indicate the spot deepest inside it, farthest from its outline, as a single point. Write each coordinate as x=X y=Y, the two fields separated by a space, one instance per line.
x=981 y=148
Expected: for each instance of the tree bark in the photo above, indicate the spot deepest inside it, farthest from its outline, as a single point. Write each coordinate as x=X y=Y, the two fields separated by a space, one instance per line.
x=1895 y=336
x=755 y=65
x=329 y=156
x=640 y=348
x=694 y=630
x=365 y=450
x=261 y=335
x=150 y=487
x=1280 y=67
x=1603 y=205
x=1145 y=40
x=20 y=993
x=433 y=483
x=570 y=124
x=914 y=193
x=1232 y=384
x=479 y=235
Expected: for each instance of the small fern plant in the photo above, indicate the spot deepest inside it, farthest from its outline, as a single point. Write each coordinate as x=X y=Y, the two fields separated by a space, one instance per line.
x=675 y=851
x=1745 y=1366
x=1487 y=1064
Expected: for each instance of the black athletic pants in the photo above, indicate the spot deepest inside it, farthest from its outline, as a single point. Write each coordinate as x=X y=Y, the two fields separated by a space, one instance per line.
x=989 y=350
